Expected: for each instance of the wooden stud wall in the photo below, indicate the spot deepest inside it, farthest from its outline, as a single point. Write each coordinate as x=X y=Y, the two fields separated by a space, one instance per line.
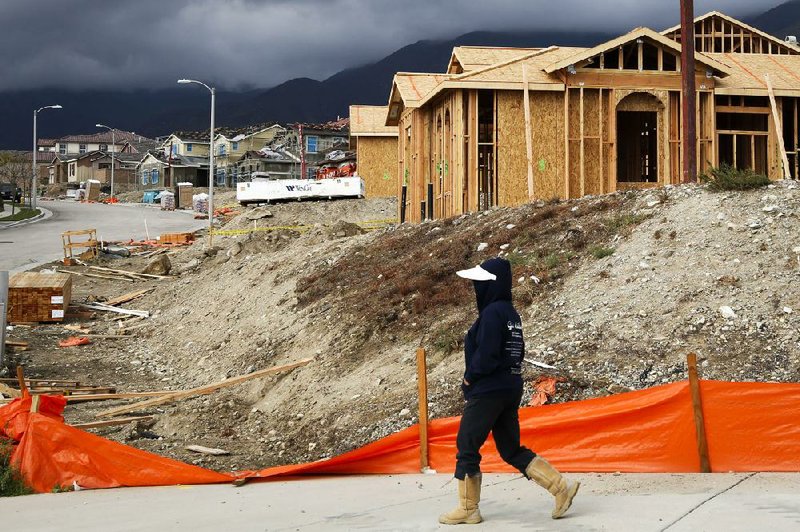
x=717 y=35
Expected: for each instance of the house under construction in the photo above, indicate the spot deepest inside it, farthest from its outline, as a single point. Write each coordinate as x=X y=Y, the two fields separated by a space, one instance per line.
x=600 y=119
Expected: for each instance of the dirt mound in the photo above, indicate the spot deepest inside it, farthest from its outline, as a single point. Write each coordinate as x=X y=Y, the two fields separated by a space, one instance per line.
x=613 y=291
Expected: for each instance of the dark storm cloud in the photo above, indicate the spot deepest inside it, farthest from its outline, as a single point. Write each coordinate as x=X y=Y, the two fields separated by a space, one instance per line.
x=235 y=43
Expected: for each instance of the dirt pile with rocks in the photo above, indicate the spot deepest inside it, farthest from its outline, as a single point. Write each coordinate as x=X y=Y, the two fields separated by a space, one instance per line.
x=614 y=291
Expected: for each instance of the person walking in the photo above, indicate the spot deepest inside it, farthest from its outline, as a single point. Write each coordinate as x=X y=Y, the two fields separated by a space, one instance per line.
x=494 y=348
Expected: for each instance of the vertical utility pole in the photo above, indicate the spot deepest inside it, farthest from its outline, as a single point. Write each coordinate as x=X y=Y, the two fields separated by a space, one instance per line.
x=688 y=93
x=302 y=154
x=3 y=312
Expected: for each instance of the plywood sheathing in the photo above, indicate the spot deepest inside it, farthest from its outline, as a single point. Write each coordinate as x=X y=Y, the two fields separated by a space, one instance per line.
x=370 y=120
x=747 y=74
x=739 y=31
x=547 y=111
x=377 y=165
x=469 y=58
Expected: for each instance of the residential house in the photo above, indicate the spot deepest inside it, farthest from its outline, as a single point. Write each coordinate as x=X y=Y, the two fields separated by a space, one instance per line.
x=278 y=164
x=102 y=141
x=602 y=119
x=375 y=145
x=188 y=150
x=96 y=165
x=157 y=170
x=310 y=143
x=231 y=144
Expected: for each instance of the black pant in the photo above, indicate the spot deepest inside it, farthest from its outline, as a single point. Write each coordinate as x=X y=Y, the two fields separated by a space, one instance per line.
x=497 y=413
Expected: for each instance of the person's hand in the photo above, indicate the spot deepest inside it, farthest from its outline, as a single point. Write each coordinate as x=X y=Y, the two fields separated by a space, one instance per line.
x=466 y=382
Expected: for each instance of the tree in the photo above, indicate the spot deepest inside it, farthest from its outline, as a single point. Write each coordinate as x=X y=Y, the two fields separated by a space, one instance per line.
x=14 y=169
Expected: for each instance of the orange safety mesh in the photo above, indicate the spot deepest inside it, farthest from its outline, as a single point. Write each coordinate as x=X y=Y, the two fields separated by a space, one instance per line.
x=749 y=426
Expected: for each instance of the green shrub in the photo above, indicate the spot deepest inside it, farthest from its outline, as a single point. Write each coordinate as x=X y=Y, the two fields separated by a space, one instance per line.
x=600 y=252
x=726 y=177
x=11 y=483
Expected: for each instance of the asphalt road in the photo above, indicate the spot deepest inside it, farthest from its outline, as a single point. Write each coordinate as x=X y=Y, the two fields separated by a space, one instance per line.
x=25 y=246
x=612 y=502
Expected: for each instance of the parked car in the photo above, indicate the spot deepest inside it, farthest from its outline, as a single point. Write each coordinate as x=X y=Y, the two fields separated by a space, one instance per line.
x=7 y=192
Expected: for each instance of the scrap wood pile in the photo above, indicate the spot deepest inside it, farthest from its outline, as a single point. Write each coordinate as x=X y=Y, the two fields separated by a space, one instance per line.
x=75 y=392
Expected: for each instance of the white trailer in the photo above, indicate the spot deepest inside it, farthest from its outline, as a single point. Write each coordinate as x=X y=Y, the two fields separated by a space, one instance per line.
x=266 y=190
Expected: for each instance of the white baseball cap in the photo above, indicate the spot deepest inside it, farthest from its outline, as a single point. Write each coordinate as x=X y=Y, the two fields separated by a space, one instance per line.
x=477 y=274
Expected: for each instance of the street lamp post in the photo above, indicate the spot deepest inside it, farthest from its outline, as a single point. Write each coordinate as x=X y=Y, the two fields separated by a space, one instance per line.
x=211 y=176
x=113 y=145
x=35 y=151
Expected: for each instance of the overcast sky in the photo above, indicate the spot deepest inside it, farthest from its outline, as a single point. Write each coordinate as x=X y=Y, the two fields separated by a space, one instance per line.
x=260 y=43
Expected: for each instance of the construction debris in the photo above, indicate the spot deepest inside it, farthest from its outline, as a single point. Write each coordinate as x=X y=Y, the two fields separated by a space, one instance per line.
x=109 y=308
x=204 y=389
x=125 y=298
x=207 y=450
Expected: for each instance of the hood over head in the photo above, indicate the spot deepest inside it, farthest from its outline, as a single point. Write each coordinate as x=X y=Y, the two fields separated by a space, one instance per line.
x=487 y=292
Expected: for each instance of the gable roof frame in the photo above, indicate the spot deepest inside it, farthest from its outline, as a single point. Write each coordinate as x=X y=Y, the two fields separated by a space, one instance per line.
x=744 y=25
x=633 y=35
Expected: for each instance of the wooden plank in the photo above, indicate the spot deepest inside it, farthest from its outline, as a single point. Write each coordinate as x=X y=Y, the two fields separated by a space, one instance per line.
x=422 y=387
x=697 y=407
x=83 y=398
x=207 y=450
x=108 y=308
x=566 y=139
x=15 y=343
x=125 y=298
x=602 y=143
x=126 y=272
x=112 y=422
x=202 y=390
x=528 y=132
x=778 y=129
x=583 y=143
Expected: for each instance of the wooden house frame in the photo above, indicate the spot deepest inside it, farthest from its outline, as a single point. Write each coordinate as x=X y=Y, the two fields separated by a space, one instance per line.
x=602 y=119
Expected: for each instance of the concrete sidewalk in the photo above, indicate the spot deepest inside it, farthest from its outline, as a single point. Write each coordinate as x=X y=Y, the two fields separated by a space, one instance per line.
x=641 y=503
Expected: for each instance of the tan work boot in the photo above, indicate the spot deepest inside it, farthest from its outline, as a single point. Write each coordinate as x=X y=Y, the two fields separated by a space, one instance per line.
x=548 y=477
x=469 y=495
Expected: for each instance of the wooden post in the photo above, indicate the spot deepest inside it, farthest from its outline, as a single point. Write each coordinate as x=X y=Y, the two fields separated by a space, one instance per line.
x=778 y=130
x=422 y=385
x=21 y=379
x=528 y=140
x=697 y=407
x=688 y=92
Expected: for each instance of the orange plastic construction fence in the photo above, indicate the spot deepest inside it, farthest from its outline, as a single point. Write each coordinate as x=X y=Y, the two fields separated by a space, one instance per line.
x=749 y=426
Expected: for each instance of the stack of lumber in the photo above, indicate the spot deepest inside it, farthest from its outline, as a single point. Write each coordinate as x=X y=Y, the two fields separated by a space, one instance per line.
x=177 y=238
x=38 y=297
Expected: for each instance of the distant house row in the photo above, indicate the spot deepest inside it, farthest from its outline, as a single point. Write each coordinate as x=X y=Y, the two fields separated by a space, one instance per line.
x=296 y=151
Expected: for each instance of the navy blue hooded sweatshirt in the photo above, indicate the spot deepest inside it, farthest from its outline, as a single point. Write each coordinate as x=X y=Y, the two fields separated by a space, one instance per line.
x=494 y=346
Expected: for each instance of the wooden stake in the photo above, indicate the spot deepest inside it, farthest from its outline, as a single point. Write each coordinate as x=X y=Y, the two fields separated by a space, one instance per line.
x=202 y=390
x=778 y=129
x=422 y=384
x=699 y=420
x=528 y=131
x=23 y=388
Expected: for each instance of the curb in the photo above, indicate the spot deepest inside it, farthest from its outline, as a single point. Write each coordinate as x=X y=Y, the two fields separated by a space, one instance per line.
x=43 y=215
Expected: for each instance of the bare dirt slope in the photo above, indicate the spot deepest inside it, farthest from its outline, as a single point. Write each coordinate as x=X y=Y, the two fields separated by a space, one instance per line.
x=627 y=285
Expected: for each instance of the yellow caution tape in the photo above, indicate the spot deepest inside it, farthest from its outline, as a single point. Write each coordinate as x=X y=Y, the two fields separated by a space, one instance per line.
x=369 y=225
